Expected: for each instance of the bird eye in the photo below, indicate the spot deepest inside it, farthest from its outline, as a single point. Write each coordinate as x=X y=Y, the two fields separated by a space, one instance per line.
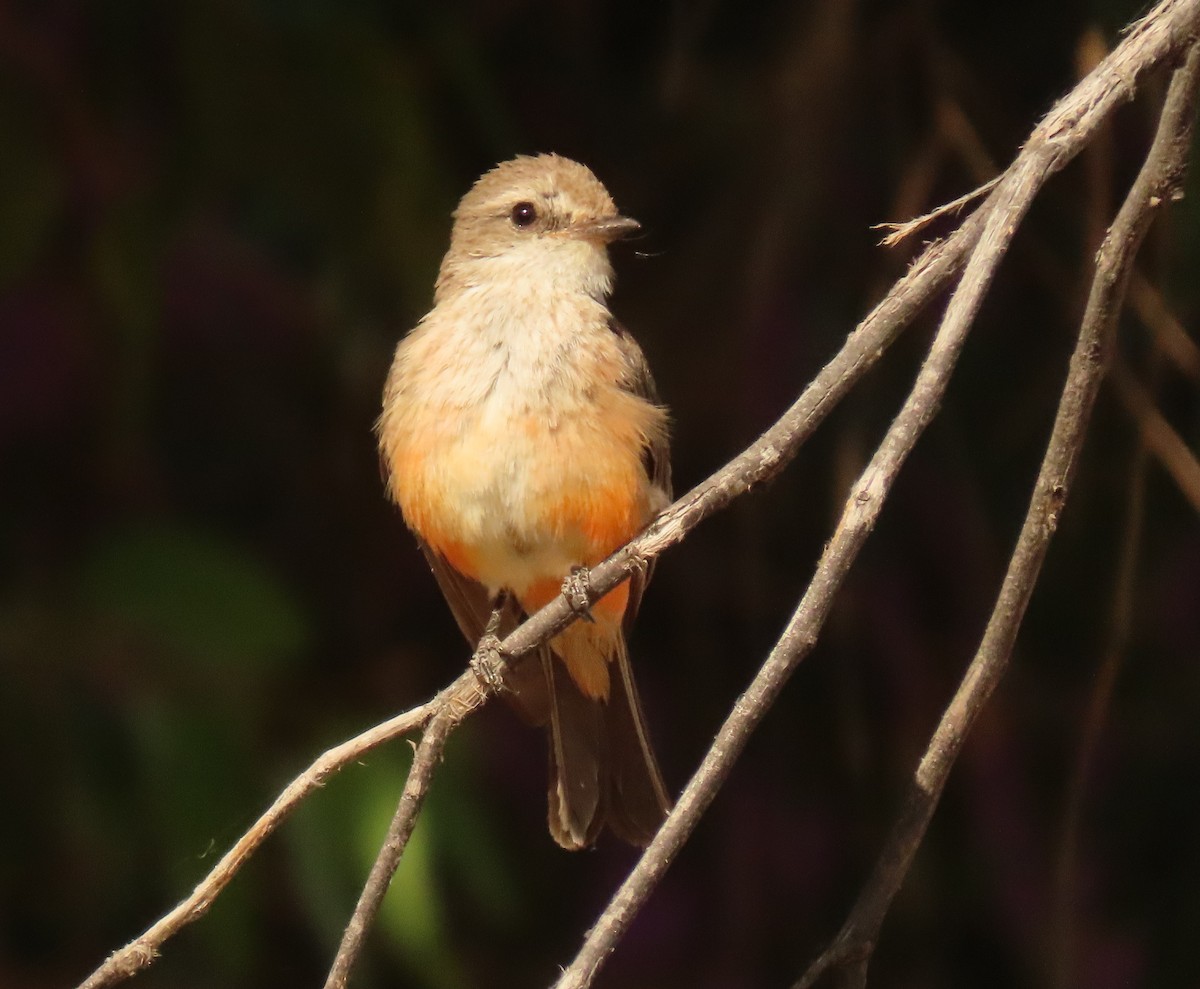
x=524 y=214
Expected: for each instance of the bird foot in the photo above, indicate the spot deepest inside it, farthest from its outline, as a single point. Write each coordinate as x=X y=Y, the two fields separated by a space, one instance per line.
x=576 y=588
x=487 y=662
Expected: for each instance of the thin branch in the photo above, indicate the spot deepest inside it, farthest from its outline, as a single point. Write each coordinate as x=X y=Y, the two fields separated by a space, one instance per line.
x=1060 y=136
x=901 y=230
x=761 y=461
x=1158 y=180
x=774 y=449
x=765 y=458
x=427 y=756
x=1061 y=941
x=1167 y=445
x=1003 y=213
x=1064 y=899
x=952 y=130
x=1068 y=127
x=1147 y=302
x=139 y=953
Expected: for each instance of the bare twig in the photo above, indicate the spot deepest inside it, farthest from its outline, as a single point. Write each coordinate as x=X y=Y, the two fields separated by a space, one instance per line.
x=1163 y=442
x=139 y=953
x=1180 y=462
x=1060 y=136
x=1063 y=941
x=762 y=460
x=1098 y=169
x=901 y=230
x=1159 y=178
x=1063 y=133
x=405 y=819
x=1169 y=334
x=1002 y=214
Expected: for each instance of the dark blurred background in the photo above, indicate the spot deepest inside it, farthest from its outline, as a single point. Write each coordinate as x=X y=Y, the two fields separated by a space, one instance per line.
x=216 y=219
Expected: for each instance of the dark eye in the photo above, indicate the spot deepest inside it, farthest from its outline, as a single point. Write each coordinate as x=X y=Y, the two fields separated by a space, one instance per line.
x=524 y=214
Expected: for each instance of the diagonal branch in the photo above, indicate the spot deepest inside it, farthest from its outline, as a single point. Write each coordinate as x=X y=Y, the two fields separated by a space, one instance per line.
x=768 y=456
x=1168 y=332
x=1158 y=435
x=1003 y=213
x=1061 y=135
x=141 y=952
x=1065 y=900
x=1159 y=180
x=427 y=756
x=761 y=461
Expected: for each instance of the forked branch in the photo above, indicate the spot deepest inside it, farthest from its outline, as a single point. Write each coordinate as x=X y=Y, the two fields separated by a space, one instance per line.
x=1159 y=180
x=1061 y=135
x=762 y=460
x=982 y=239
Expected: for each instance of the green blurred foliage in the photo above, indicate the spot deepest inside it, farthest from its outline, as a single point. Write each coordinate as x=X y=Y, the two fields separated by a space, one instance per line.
x=216 y=218
x=195 y=597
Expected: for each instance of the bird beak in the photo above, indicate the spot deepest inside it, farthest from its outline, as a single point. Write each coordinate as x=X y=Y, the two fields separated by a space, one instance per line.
x=609 y=229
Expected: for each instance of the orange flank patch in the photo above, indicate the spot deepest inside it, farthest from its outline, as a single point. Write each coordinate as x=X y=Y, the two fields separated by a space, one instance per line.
x=457 y=555
x=606 y=517
x=424 y=515
x=421 y=521
x=580 y=493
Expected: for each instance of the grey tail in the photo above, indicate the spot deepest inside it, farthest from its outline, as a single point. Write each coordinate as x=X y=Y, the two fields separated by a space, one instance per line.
x=602 y=767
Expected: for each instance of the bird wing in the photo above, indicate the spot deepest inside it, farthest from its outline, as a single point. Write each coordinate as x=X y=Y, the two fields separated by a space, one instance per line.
x=656 y=456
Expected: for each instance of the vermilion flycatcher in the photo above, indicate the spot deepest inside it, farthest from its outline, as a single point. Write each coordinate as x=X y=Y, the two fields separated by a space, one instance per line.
x=523 y=438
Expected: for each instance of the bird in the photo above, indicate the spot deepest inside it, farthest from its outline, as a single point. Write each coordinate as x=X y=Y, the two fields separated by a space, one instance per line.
x=523 y=439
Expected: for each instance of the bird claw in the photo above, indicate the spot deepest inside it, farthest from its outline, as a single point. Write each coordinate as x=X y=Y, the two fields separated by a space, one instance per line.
x=575 y=587
x=639 y=566
x=487 y=662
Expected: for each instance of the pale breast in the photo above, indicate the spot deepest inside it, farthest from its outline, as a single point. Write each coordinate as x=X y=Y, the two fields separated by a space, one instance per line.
x=521 y=458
